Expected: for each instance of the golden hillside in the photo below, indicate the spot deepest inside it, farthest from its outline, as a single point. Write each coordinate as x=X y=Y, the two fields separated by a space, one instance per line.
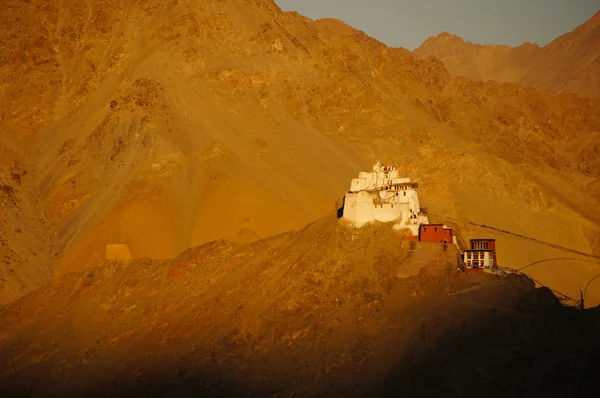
x=165 y=125
x=569 y=64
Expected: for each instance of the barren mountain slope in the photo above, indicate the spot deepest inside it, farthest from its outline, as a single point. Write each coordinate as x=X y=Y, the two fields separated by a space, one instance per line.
x=319 y=311
x=571 y=63
x=25 y=262
x=479 y=62
x=164 y=125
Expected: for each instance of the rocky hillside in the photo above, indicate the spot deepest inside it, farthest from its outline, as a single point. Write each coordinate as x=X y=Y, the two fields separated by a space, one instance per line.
x=569 y=64
x=165 y=125
x=479 y=62
x=320 y=311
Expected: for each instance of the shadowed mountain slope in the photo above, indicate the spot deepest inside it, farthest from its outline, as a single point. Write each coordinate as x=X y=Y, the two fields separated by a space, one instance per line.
x=318 y=311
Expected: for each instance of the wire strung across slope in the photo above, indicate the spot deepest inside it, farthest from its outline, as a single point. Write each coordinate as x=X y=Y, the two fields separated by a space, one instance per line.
x=541 y=242
x=588 y=285
x=578 y=302
x=518 y=270
x=554 y=259
x=556 y=292
x=562 y=258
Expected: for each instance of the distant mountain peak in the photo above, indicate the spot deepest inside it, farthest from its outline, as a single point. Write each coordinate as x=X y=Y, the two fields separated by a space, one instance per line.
x=594 y=21
x=528 y=44
x=448 y=36
x=442 y=38
x=567 y=64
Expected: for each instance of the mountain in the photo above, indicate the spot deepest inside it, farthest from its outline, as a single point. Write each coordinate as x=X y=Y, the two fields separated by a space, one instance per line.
x=580 y=74
x=208 y=136
x=479 y=62
x=319 y=311
x=569 y=64
x=167 y=125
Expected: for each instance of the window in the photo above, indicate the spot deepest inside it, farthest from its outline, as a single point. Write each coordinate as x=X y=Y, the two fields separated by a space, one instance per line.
x=480 y=245
x=404 y=193
x=435 y=229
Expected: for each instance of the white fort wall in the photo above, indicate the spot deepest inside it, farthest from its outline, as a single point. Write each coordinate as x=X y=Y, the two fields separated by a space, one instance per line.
x=382 y=196
x=389 y=212
x=373 y=180
x=402 y=196
x=358 y=207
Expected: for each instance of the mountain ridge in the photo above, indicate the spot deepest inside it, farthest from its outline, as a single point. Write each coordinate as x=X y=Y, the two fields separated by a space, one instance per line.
x=567 y=64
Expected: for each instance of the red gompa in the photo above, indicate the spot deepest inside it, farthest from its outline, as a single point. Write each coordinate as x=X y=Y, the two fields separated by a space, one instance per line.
x=435 y=233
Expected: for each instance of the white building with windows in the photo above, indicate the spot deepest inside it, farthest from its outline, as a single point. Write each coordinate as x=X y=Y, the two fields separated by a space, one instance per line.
x=482 y=254
x=381 y=195
x=478 y=258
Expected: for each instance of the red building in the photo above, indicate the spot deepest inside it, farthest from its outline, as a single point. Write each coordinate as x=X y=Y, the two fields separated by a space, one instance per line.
x=435 y=233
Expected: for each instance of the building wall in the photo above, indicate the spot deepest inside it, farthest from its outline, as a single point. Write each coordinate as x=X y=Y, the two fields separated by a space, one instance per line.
x=388 y=212
x=408 y=196
x=478 y=258
x=485 y=244
x=387 y=204
x=358 y=207
x=372 y=180
x=435 y=233
x=358 y=184
x=117 y=252
x=416 y=205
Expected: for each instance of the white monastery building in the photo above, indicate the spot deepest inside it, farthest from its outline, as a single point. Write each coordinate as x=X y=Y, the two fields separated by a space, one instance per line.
x=381 y=195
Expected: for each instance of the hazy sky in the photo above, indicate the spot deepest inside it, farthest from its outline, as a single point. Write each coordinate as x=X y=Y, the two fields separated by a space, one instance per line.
x=407 y=23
